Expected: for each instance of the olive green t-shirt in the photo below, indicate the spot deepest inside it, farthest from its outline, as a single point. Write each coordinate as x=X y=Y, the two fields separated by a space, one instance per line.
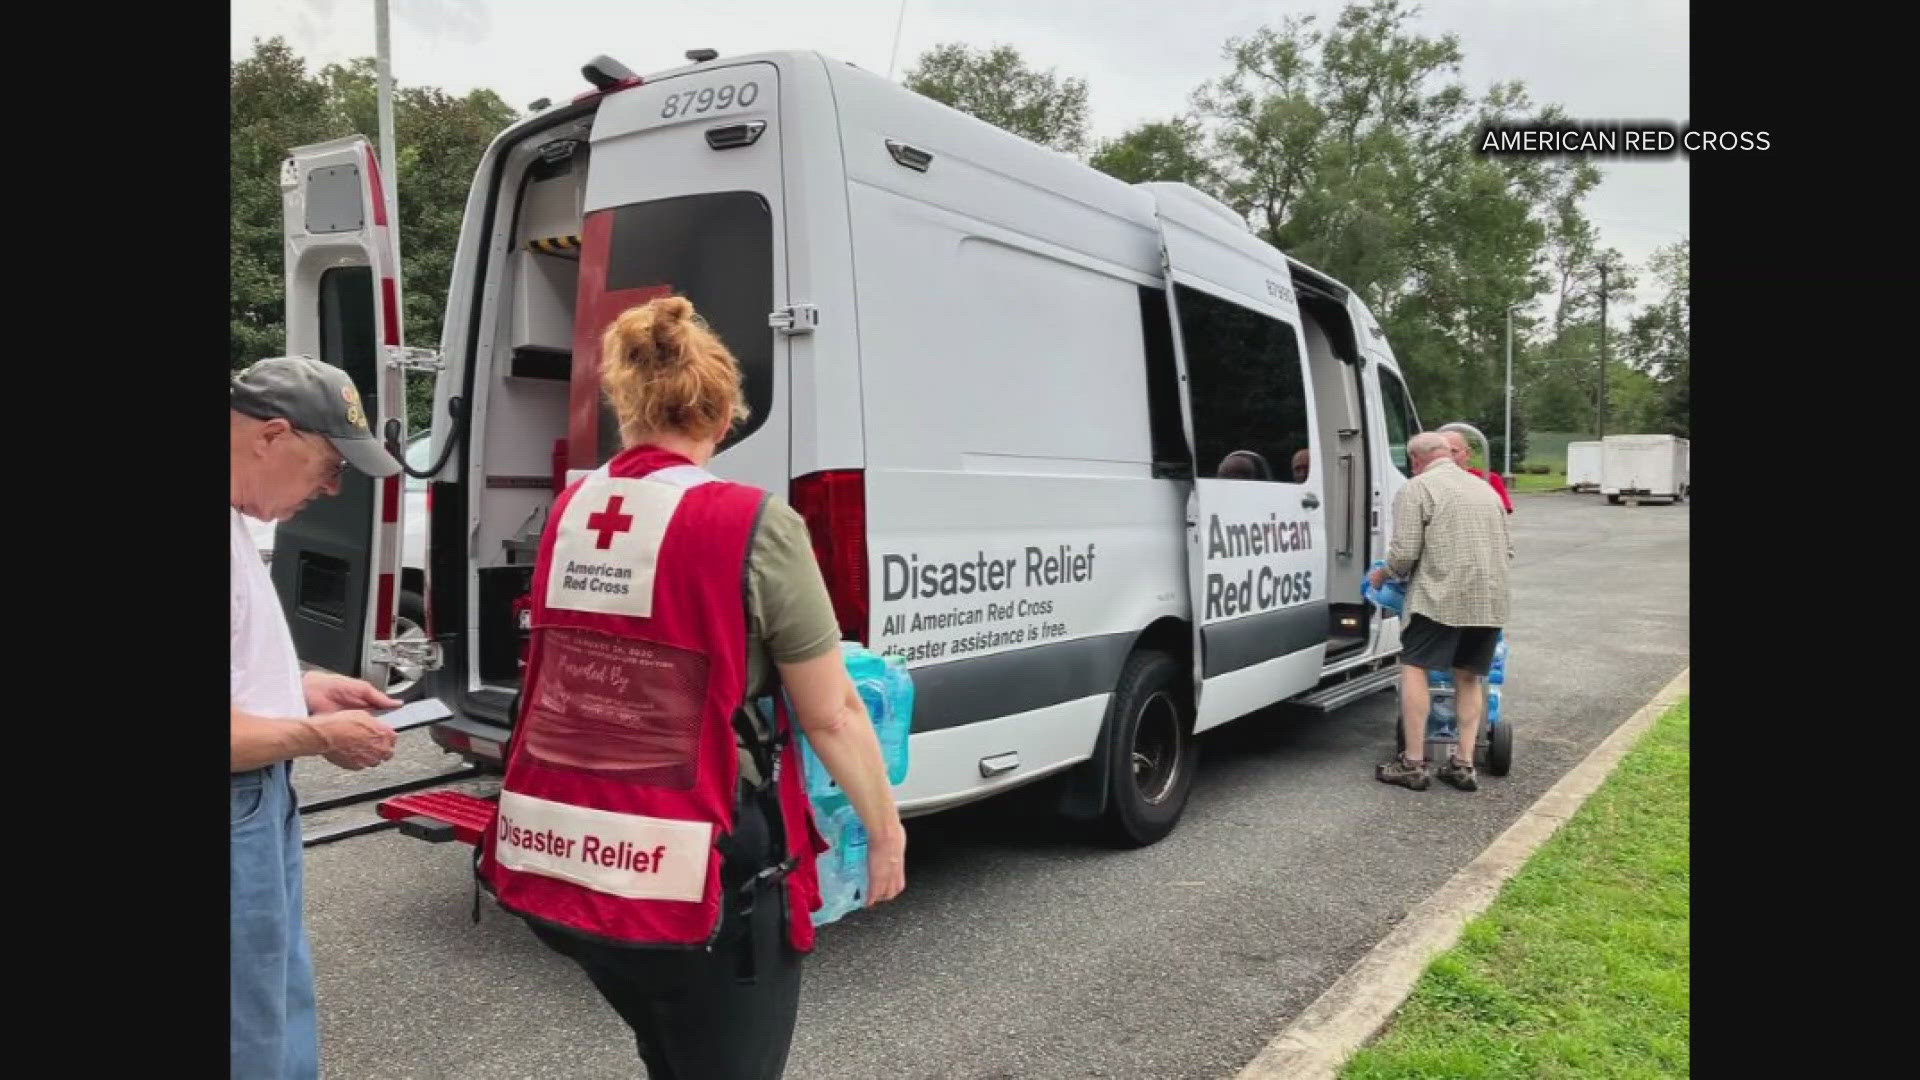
x=789 y=615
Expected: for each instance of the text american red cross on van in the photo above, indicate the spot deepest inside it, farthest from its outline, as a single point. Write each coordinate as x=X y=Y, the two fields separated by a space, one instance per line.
x=608 y=522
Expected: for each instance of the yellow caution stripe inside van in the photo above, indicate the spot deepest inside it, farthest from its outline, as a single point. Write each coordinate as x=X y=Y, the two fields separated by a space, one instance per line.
x=556 y=245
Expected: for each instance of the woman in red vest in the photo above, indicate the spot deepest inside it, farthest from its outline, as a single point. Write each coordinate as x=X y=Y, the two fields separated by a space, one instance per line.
x=653 y=827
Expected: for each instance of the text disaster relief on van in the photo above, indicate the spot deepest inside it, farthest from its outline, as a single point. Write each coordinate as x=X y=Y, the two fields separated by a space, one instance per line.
x=906 y=577
x=1024 y=620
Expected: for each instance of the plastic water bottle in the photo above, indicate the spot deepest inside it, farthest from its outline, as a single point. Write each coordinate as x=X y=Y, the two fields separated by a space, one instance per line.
x=843 y=869
x=1493 y=705
x=1440 y=717
x=887 y=689
x=1439 y=679
x=853 y=858
x=1390 y=596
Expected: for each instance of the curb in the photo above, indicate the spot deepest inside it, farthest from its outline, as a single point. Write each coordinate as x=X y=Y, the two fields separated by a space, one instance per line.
x=1350 y=1012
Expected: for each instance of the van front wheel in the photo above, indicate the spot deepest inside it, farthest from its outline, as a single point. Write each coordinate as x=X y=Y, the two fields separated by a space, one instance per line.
x=1152 y=755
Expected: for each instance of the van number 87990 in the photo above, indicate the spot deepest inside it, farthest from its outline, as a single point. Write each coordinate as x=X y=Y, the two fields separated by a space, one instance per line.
x=710 y=99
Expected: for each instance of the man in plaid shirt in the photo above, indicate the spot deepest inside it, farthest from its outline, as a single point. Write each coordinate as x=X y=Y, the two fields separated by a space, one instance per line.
x=1450 y=542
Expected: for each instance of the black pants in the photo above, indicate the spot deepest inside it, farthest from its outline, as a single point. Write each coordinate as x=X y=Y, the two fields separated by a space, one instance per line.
x=690 y=1013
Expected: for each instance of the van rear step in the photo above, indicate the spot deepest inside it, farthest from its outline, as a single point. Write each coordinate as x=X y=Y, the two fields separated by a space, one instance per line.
x=1357 y=685
x=440 y=816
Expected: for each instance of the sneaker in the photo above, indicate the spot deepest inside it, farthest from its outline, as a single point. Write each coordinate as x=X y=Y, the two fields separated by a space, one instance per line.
x=1408 y=774
x=1459 y=774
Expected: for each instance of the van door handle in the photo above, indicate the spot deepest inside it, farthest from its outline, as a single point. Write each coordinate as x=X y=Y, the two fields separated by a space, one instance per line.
x=1310 y=501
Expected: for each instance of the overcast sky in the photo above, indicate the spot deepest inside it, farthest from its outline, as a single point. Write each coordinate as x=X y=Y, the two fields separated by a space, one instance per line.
x=1599 y=59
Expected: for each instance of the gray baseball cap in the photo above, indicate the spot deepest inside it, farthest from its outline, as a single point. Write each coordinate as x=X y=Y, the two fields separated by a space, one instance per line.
x=314 y=397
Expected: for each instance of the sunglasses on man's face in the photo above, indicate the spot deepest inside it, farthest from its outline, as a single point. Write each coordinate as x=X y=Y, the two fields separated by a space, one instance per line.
x=336 y=469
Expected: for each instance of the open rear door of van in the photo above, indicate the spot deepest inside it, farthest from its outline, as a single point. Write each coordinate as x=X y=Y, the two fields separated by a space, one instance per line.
x=1256 y=537
x=336 y=565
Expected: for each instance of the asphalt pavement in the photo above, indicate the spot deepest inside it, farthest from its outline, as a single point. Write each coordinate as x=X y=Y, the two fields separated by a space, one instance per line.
x=1020 y=948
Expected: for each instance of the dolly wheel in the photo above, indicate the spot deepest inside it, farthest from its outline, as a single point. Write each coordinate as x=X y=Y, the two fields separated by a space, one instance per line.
x=1500 y=749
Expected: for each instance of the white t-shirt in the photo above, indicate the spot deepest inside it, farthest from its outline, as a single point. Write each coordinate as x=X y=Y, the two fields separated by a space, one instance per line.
x=263 y=670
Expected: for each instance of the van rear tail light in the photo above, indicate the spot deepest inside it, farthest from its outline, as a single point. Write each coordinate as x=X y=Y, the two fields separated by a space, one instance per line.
x=834 y=506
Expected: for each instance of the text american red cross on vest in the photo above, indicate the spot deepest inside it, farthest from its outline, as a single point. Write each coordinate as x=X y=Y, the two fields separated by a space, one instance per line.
x=609 y=521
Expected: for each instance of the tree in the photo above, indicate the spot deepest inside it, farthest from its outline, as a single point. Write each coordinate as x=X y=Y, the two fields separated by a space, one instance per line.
x=1659 y=342
x=1352 y=149
x=438 y=140
x=997 y=86
x=273 y=105
x=1172 y=150
x=1570 y=243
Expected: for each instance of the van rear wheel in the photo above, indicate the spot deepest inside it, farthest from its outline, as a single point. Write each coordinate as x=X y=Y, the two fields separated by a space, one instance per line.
x=1152 y=755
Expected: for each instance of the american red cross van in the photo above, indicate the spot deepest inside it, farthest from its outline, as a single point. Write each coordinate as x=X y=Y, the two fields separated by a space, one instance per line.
x=1102 y=467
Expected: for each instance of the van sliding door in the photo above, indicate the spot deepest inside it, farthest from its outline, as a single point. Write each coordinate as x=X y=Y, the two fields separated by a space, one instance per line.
x=1257 y=549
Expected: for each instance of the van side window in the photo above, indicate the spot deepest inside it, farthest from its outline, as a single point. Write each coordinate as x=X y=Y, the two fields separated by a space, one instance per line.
x=715 y=249
x=1401 y=423
x=1247 y=387
x=1170 y=456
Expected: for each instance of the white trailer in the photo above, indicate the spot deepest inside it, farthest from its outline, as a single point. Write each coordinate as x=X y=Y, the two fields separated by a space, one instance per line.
x=1583 y=466
x=1643 y=467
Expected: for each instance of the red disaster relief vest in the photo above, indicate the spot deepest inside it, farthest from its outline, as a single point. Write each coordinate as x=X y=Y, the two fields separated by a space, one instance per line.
x=622 y=771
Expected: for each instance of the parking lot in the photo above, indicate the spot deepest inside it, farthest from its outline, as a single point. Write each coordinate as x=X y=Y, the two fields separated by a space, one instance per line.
x=1022 y=949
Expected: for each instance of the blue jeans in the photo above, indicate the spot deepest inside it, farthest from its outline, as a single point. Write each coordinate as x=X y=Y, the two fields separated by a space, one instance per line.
x=274 y=1035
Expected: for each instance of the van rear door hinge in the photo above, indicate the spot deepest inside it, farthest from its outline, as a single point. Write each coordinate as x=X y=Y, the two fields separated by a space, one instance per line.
x=408 y=358
x=425 y=654
x=795 y=319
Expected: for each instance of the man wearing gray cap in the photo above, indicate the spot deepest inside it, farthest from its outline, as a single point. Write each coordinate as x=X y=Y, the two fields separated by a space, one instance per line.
x=295 y=426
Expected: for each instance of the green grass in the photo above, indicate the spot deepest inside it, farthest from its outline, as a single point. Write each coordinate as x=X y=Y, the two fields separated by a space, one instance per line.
x=1546 y=448
x=1581 y=967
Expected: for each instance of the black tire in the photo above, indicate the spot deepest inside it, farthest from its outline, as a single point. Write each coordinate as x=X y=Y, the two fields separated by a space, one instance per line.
x=411 y=622
x=1152 y=755
x=1500 y=749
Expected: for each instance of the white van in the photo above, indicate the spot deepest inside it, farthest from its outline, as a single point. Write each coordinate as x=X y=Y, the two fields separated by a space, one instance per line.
x=1583 y=466
x=1005 y=391
x=1644 y=467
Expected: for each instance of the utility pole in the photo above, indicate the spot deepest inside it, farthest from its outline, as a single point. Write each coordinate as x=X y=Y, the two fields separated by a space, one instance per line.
x=894 y=57
x=389 y=172
x=1508 y=470
x=1600 y=414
